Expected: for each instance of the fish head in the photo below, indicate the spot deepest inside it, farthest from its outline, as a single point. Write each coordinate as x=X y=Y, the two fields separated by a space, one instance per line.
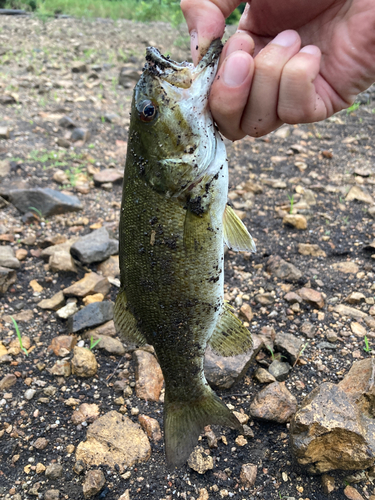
x=170 y=120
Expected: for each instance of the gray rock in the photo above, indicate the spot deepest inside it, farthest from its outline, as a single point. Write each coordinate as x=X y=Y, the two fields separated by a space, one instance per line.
x=67 y=122
x=289 y=345
x=52 y=495
x=54 y=471
x=47 y=201
x=279 y=370
x=224 y=372
x=94 y=247
x=80 y=134
x=326 y=345
x=94 y=314
x=265 y=299
x=263 y=376
x=282 y=269
x=7 y=278
x=7 y=258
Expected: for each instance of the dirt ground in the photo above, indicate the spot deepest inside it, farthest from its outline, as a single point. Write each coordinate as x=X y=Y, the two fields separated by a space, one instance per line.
x=328 y=158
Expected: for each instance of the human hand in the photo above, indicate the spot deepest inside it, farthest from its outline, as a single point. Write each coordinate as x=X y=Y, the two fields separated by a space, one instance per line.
x=266 y=79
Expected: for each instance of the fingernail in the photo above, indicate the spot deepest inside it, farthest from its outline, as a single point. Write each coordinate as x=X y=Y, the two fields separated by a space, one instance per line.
x=311 y=49
x=286 y=38
x=236 y=69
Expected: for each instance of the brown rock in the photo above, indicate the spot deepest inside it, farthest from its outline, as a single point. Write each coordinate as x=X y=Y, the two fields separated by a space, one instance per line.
x=108 y=175
x=248 y=475
x=313 y=250
x=62 y=368
x=200 y=461
x=51 y=494
x=7 y=278
x=358 y=329
x=62 y=262
x=352 y=493
x=246 y=312
x=312 y=297
x=63 y=344
x=110 y=267
x=84 y=363
x=151 y=427
x=346 y=267
x=56 y=248
x=114 y=439
x=107 y=329
x=89 y=299
x=93 y=483
x=355 y=298
x=264 y=299
x=296 y=220
x=24 y=316
x=54 y=471
x=21 y=254
x=7 y=381
x=125 y=495
x=282 y=269
x=349 y=312
x=328 y=484
x=85 y=413
x=41 y=443
x=90 y=284
x=148 y=376
x=289 y=345
x=274 y=403
x=292 y=298
x=54 y=303
x=109 y=344
x=356 y=193
x=263 y=376
x=14 y=347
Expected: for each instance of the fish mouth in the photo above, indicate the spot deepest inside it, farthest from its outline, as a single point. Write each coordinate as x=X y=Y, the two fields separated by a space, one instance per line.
x=181 y=74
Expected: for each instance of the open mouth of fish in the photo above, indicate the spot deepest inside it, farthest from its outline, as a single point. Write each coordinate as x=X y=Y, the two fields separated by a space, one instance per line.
x=183 y=74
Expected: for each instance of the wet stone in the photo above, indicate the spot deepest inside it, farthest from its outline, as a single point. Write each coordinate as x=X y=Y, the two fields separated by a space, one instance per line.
x=92 y=315
x=148 y=376
x=279 y=370
x=274 y=403
x=47 y=201
x=94 y=482
x=84 y=363
x=94 y=247
x=7 y=258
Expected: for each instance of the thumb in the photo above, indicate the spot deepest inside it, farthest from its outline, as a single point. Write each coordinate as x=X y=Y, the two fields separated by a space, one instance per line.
x=206 y=21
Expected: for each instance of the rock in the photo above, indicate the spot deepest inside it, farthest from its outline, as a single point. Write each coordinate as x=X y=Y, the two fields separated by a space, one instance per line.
x=292 y=298
x=91 y=315
x=24 y=316
x=274 y=403
x=355 y=298
x=296 y=220
x=125 y=495
x=51 y=494
x=148 y=376
x=282 y=132
x=246 y=312
x=109 y=344
x=60 y=177
x=109 y=175
x=85 y=413
x=352 y=493
x=6 y=99
x=328 y=431
x=84 y=363
x=264 y=376
x=358 y=329
x=110 y=267
x=80 y=134
x=14 y=347
x=29 y=394
x=114 y=439
x=346 y=267
x=21 y=254
x=91 y=283
x=200 y=461
x=289 y=345
x=93 y=483
x=60 y=247
x=4 y=168
x=279 y=370
x=63 y=143
x=41 y=443
x=94 y=247
x=282 y=269
x=248 y=475
x=55 y=302
x=264 y=299
x=313 y=250
x=7 y=278
x=4 y=132
x=67 y=122
x=356 y=193
x=62 y=368
x=89 y=299
x=224 y=372
x=349 y=312
x=54 y=471
x=328 y=484
x=312 y=297
x=79 y=67
x=62 y=262
x=63 y=344
x=108 y=329
x=67 y=311
x=7 y=258
x=151 y=427
x=7 y=381
x=47 y=201
x=111 y=118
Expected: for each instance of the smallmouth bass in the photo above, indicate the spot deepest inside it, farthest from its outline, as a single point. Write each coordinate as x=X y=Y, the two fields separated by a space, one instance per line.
x=174 y=223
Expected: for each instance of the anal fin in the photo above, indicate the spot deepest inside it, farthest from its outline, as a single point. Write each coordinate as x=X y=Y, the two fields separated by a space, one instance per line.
x=126 y=323
x=236 y=236
x=230 y=336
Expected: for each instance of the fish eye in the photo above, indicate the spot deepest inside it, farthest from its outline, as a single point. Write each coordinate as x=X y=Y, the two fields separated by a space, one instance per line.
x=148 y=111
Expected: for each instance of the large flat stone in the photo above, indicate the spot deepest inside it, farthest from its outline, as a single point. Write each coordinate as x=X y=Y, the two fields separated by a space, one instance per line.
x=92 y=315
x=47 y=201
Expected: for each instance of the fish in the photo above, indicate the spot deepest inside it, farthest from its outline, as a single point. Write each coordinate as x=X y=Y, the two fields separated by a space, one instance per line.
x=174 y=223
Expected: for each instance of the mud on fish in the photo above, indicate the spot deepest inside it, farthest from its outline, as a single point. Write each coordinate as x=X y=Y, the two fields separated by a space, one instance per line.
x=174 y=223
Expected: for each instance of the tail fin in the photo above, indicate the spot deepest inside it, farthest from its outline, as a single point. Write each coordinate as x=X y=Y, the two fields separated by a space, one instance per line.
x=183 y=422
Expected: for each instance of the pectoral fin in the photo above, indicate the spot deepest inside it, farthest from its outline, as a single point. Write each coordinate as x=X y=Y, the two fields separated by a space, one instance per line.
x=236 y=236
x=230 y=337
x=126 y=323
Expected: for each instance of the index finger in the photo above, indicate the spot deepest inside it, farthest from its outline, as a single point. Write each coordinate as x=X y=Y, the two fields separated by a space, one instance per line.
x=206 y=21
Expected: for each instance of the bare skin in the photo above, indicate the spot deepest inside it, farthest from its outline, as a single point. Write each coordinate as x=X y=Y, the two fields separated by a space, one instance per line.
x=287 y=63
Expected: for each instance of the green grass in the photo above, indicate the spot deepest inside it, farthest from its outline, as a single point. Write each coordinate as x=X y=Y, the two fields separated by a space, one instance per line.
x=367 y=347
x=19 y=336
x=93 y=342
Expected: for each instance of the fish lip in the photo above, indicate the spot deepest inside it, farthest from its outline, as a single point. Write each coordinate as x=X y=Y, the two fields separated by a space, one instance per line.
x=164 y=67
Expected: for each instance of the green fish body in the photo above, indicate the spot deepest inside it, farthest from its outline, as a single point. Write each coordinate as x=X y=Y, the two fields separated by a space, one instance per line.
x=174 y=222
